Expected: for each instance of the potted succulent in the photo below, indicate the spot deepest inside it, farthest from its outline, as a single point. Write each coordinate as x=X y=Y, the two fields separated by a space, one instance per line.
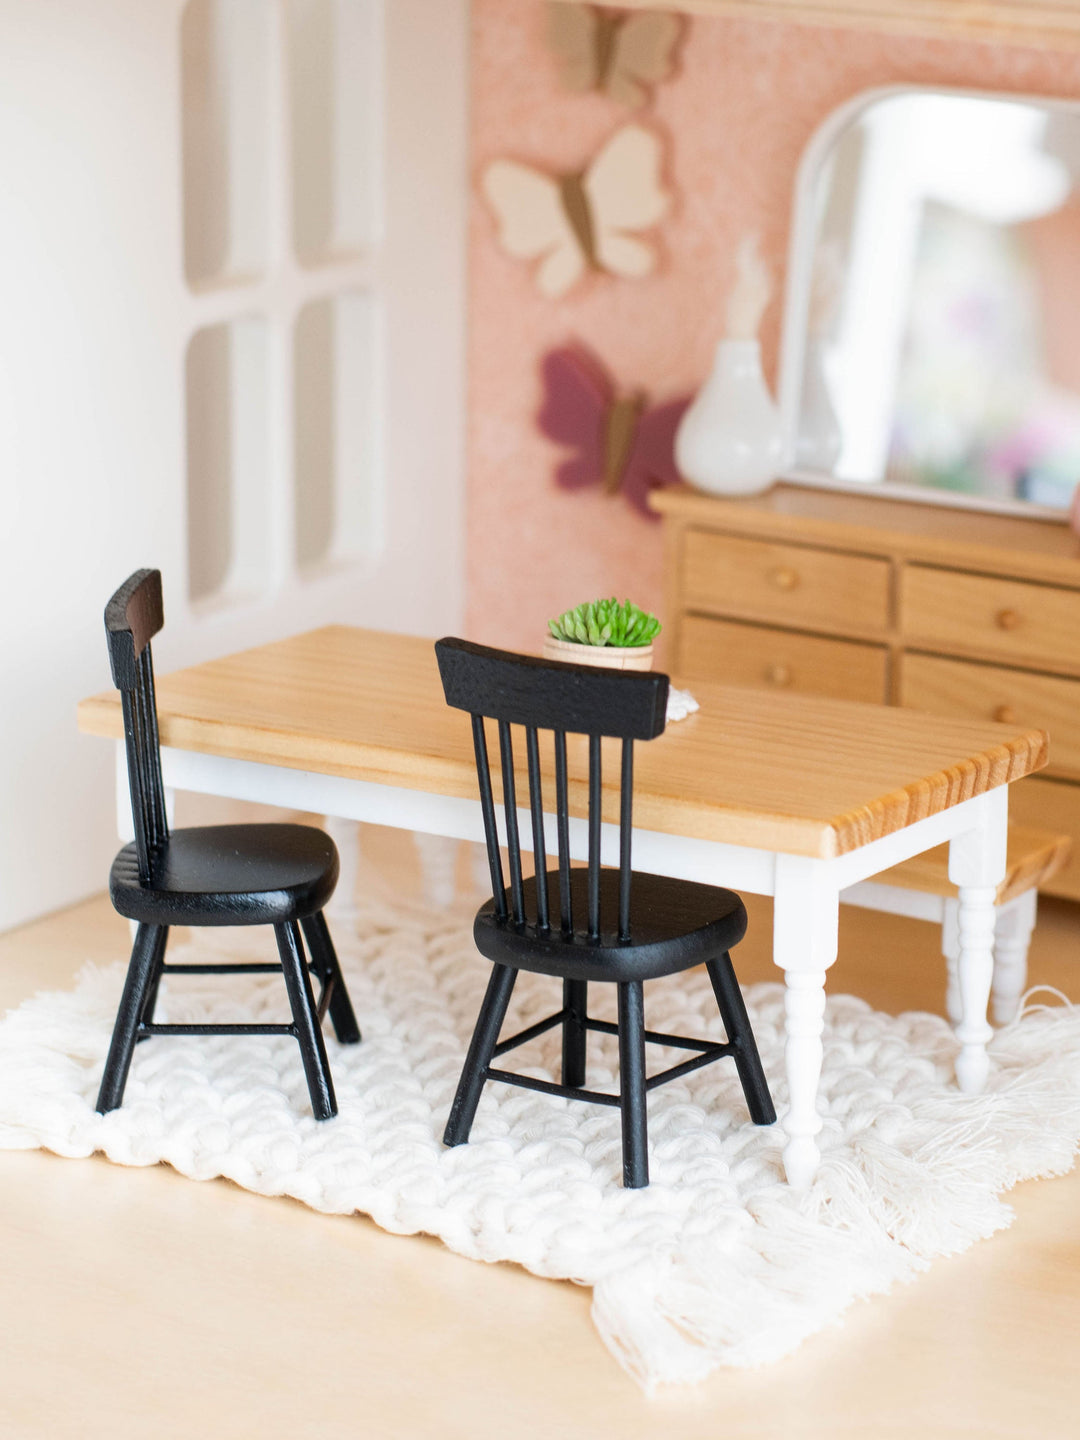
x=603 y=632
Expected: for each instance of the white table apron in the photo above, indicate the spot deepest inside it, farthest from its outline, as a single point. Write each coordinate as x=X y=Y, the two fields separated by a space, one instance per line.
x=806 y=892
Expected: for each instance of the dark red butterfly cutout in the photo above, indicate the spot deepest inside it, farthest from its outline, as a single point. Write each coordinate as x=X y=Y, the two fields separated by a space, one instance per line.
x=621 y=444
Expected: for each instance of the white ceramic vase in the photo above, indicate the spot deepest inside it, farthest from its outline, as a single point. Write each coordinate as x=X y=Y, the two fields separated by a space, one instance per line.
x=729 y=441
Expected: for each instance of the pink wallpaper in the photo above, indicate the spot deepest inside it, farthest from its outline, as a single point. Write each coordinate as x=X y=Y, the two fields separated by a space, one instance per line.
x=735 y=121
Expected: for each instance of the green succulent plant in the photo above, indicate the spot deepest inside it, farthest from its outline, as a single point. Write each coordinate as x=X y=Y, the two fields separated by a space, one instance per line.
x=606 y=622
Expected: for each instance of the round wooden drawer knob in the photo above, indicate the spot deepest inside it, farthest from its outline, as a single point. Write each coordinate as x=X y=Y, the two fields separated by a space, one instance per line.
x=1005 y=715
x=1007 y=619
x=785 y=578
x=778 y=674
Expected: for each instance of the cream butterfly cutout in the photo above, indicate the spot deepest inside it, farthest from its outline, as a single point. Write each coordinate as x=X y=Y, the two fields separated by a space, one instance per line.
x=574 y=223
x=618 y=53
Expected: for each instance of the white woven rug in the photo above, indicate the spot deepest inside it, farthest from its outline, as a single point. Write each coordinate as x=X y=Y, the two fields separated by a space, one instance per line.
x=716 y=1263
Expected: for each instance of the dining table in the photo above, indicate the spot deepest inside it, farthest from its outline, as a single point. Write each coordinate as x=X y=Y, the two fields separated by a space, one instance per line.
x=788 y=795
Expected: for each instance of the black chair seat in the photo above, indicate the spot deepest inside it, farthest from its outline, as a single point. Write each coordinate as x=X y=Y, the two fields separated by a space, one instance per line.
x=229 y=875
x=675 y=924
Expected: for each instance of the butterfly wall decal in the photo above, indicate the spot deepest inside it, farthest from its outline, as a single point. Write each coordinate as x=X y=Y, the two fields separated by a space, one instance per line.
x=621 y=53
x=621 y=443
x=582 y=221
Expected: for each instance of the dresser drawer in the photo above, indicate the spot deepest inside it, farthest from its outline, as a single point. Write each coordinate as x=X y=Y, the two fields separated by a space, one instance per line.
x=1036 y=624
x=735 y=654
x=991 y=692
x=755 y=579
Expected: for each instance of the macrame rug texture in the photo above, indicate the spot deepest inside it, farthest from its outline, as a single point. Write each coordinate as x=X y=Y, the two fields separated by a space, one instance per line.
x=716 y=1263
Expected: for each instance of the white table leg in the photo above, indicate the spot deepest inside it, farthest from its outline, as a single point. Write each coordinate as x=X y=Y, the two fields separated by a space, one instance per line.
x=977 y=867
x=805 y=918
x=346 y=836
x=438 y=867
x=1012 y=938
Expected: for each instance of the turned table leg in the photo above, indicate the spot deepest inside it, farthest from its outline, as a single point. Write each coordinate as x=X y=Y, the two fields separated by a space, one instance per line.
x=977 y=867
x=805 y=919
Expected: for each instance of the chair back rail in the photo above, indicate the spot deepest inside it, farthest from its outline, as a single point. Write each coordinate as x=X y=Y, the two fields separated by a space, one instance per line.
x=132 y=617
x=549 y=695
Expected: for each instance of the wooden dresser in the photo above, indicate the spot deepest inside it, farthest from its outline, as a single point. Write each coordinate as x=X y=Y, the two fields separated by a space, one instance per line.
x=865 y=598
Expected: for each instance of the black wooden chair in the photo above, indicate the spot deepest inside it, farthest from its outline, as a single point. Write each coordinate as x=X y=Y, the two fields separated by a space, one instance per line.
x=636 y=926
x=280 y=875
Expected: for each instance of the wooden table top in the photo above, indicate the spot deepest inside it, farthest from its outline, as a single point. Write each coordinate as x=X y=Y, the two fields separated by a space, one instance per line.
x=792 y=773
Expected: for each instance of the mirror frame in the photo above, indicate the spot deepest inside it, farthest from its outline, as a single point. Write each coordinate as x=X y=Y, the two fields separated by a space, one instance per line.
x=797 y=302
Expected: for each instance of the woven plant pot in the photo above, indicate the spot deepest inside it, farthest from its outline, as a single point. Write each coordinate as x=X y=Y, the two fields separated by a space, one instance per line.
x=611 y=657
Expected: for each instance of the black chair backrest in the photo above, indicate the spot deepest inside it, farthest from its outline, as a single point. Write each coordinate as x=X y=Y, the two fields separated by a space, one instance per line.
x=547 y=695
x=132 y=617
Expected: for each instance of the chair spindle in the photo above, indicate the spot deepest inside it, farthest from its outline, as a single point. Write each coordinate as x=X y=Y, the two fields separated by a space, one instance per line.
x=536 y=807
x=513 y=842
x=595 y=818
x=562 y=807
x=487 y=809
x=144 y=763
x=626 y=825
x=130 y=707
x=154 y=746
x=146 y=768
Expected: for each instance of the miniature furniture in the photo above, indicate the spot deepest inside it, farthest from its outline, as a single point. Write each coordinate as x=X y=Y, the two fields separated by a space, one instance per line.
x=921 y=889
x=586 y=925
x=280 y=875
x=792 y=796
x=821 y=592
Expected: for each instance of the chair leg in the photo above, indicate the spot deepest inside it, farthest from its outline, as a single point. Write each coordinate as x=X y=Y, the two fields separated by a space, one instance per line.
x=484 y=1039
x=317 y=934
x=137 y=985
x=150 y=1003
x=635 y=1140
x=737 y=1024
x=574 y=1034
x=306 y=1021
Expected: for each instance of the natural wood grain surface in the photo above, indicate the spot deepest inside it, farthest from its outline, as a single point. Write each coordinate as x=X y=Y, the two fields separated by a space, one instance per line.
x=958 y=574
x=1034 y=549
x=796 y=585
x=1035 y=856
x=1054 y=23
x=795 y=773
x=986 y=614
x=996 y=692
x=769 y=659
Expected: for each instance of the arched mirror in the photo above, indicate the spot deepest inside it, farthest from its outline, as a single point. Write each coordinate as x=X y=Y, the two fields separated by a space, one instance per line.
x=932 y=330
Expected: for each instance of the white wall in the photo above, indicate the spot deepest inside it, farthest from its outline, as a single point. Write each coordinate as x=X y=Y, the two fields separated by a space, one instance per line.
x=95 y=319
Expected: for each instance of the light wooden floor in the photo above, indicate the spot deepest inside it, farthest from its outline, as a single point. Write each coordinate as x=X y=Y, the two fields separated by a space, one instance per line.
x=137 y=1303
